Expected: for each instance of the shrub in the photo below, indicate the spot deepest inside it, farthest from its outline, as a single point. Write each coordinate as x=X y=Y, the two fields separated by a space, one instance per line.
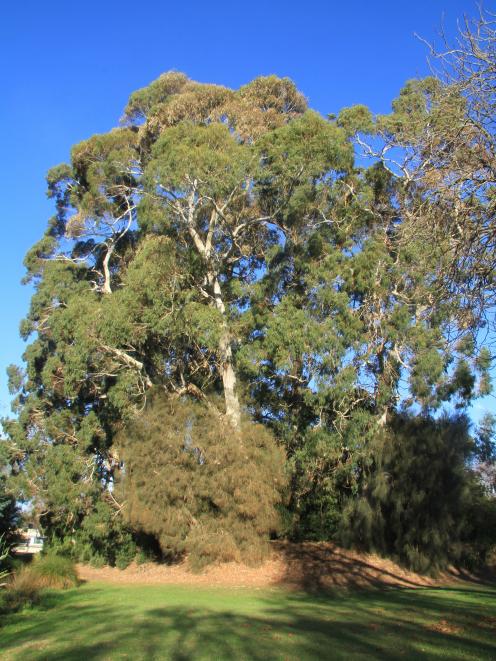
x=4 y=555
x=491 y=558
x=22 y=591
x=148 y=550
x=50 y=571
x=85 y=553
x=414 y=501
x=202 y=489
x=57 y=546
x=125 y=555
x=103 y=538
x=141 y=557
x=478 y=541
x=53 y=571
x=97 y=561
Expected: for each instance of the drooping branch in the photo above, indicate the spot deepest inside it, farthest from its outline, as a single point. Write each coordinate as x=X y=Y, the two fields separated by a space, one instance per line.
x=130 y=361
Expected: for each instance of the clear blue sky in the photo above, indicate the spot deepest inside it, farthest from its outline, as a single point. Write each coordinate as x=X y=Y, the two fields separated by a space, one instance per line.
x=67 y=69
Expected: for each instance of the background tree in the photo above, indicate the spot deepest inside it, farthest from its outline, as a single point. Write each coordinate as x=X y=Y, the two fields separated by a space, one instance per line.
x=10 y=514
x=440 y=142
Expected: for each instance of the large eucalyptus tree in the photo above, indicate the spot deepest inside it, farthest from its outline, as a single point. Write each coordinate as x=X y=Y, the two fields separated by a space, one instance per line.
x=217 y=262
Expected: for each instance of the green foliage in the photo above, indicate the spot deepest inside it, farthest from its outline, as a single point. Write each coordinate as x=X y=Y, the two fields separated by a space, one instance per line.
x=209 y=153
x=53 y=571
x=125 y=554
x=415 y=501
x=142 y=557
x=213 y=492
x=224 y=249
x=4 y=560
x=44 y=572
x=356 y=119
x=485 y=438
x=103 y=538
x=95 y=559
x=478 y=537
x=9 y=514
x=143 y=100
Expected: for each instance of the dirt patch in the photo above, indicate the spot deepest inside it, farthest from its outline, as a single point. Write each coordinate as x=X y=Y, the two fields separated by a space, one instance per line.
x=310 y=565
x=443 y=626
x=229 y=574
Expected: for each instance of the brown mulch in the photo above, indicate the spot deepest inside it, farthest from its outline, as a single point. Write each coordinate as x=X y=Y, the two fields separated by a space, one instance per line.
x=310 y=565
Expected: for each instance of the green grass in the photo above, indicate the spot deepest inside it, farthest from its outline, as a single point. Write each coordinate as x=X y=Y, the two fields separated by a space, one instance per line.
x=98 y=621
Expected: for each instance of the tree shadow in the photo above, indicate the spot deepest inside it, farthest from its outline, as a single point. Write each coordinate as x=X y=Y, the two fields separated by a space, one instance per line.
x=387 y=624
x=317 y=566
x=480 y=575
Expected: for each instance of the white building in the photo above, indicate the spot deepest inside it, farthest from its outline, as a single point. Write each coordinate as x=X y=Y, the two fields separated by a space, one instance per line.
x=31 y=540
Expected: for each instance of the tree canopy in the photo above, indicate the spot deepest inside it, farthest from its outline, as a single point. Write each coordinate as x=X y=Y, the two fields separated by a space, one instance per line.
x=237 y=330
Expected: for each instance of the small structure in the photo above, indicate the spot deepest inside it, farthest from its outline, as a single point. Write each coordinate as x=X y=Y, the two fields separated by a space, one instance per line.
x=30 y=541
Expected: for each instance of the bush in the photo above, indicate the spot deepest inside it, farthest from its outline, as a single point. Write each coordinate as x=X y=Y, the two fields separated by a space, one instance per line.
x=142 y=557
x=4 y=555
x=53 y=571
x=148 y=550
x=50 y=571
x=200 y=488
x=22 y=591
x=491 y=558
x=97 y=561
x=478 y=540
x=84 y=553
x=61 y=547
x=414 y=503
x=104 y=539
x=125 y=555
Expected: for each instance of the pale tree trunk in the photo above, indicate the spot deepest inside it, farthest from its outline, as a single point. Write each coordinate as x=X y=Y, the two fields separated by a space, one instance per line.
x=106 y=287
x=228 y=374
x=229 y=381
x=391 y=364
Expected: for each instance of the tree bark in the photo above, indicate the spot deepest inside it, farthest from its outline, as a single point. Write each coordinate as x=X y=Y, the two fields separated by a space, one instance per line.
x=228 y=375
x=106 y=287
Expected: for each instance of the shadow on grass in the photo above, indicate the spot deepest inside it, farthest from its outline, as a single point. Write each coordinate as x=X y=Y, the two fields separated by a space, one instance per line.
x=94 y=624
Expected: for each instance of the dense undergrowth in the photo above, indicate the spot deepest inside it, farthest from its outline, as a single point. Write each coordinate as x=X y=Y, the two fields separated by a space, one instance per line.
x=27 y=582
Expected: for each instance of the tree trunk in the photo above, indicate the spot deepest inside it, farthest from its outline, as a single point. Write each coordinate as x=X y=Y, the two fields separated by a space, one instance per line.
x=228 y=374
x=106 y=287
x=229 y=381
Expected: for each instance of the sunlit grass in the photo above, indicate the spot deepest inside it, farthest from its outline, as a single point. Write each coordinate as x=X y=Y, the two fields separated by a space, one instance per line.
x=98 y=621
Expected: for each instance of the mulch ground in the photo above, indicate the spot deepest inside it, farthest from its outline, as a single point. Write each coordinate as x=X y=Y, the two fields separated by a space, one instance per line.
x=311 y=565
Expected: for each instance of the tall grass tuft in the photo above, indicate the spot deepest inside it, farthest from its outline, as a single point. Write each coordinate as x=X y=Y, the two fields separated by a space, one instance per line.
x=22 y=591
x=26 y=585
x=53 y=571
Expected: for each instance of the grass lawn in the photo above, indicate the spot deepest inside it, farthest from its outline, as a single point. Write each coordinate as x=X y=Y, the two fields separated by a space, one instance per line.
x=98 y=621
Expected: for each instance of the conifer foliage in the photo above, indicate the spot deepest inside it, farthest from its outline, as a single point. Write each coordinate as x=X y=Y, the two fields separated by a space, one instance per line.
x=199 y=486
